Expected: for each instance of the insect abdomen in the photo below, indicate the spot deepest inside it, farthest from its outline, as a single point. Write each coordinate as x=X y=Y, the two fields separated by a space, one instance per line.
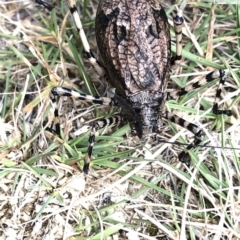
x=134 y=41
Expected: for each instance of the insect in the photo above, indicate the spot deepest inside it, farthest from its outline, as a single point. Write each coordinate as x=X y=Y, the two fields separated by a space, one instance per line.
x=133 y=38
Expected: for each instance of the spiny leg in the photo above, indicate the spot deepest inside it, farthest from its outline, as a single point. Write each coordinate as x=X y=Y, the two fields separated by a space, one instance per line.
x=178 y=25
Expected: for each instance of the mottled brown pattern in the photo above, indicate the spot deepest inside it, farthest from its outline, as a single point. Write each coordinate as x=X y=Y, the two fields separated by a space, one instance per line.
x=134 y=42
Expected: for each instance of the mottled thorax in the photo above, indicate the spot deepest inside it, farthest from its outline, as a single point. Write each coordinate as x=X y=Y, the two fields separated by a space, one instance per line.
x=147 y=107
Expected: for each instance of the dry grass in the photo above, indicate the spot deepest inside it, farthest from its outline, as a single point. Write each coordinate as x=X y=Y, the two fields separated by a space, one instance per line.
x=43 y=192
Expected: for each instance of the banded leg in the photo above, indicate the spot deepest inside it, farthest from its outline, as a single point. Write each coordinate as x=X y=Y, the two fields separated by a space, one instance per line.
x=222 y=75
x=96 y=65
x=73 y=9
x=113 y=121
x=61 y=91
x=192 y=127
x=178 y=25
x=218 y=73
x=198 y=133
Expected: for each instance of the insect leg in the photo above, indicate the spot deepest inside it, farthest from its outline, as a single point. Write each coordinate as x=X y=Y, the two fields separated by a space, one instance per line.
x=222 y=75
x=73 y=9
x=178 y=24
x=61 y=91
x=218 y=73
x=183 y=156
x=116 y=120
x=96 y=65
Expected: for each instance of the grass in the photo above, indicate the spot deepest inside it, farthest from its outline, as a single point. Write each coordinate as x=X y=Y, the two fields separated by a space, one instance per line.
x=44 y=193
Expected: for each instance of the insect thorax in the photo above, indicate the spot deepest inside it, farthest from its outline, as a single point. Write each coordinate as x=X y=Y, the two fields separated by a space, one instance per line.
x=147 y=107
